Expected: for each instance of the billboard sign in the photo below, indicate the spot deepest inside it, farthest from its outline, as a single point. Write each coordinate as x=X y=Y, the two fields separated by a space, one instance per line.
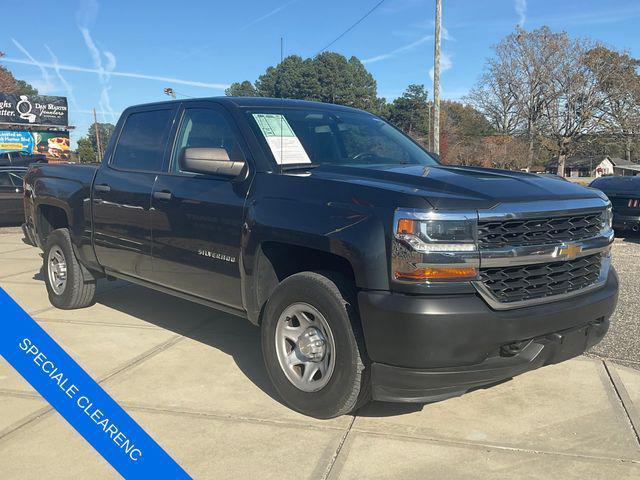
x=33 y=109
x=55 y=145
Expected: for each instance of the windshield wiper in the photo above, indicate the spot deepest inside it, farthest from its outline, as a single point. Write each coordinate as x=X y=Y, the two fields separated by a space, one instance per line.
x=299 y=166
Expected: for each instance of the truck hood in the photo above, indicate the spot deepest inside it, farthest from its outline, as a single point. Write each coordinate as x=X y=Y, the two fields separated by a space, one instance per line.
x=449 y=187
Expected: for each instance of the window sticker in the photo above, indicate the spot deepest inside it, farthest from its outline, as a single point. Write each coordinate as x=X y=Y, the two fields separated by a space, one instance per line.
x=281 y=138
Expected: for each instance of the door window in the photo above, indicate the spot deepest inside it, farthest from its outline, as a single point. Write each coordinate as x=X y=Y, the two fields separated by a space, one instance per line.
x=205 y=127
x=142 y=141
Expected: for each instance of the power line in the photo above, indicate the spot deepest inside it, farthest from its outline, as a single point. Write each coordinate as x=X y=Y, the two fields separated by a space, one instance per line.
x=352 y=26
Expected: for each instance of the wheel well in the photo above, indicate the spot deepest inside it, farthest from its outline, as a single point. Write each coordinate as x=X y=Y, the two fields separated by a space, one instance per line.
x=50 y=218
x=278 y=261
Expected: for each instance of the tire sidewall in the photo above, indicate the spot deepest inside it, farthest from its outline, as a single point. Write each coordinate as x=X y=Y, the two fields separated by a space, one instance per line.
x=61 y=239
x=333 y=397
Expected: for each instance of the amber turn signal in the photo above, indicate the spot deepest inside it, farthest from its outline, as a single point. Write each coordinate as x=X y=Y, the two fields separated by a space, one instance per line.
x=406 y=226
x=439 y=273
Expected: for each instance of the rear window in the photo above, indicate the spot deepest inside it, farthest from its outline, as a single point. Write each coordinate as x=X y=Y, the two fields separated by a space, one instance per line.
x=143 y=140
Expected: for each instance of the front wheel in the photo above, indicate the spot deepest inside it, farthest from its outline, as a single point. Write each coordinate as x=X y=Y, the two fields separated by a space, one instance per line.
x=69 y=284
x=312 y=347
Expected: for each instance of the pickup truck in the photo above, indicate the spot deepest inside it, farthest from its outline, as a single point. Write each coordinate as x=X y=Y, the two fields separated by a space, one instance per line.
x=373 y=271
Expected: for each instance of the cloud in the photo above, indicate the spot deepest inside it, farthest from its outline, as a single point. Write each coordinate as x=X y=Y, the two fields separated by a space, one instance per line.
x=270 y=14
x=115 y=73
x=45 y=85
x=398 y=51
x=521 y=10
x=445 y=64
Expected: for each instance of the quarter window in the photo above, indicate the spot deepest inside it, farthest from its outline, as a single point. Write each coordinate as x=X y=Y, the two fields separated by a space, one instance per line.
x=143 y=139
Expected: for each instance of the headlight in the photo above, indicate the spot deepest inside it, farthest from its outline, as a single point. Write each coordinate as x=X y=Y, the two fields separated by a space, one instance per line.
x=607 y=219
x=434 y=246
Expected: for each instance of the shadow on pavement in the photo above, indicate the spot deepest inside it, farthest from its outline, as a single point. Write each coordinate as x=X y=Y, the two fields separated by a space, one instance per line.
x=229 y=334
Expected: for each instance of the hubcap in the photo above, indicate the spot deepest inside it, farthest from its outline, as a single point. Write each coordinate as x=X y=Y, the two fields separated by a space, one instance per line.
x=57 y=270
x=305 y=347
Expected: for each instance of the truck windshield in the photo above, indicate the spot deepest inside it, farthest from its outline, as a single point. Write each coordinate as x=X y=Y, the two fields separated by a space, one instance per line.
x=296 y=136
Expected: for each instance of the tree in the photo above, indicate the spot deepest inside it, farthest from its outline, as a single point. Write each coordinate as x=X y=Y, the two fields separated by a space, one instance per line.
x=241 y=89
x=513 y=89
x=410 y=112
x=85 y=151
x=619 y=84
x=572 y=98
x=461 y=133
x=328 y=77
x=88 y=145
x=10 y=84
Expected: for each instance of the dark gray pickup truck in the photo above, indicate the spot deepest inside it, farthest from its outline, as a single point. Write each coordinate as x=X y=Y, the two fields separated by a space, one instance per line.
x=373 y=271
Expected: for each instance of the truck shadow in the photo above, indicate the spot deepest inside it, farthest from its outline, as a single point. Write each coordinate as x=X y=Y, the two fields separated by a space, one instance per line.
x=231 y=335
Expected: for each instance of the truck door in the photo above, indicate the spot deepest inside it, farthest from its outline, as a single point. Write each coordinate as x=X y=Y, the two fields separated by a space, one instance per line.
x=122 y=192
x=197 y=218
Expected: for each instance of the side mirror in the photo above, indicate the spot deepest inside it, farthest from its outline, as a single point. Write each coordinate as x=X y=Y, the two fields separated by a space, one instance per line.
x=210 y=161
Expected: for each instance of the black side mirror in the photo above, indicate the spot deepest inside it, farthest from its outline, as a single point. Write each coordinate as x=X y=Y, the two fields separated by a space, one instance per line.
x=210 y=161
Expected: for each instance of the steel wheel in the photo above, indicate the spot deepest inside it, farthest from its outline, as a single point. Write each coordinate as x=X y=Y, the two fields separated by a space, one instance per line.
x=305 y=347
x=57 y=270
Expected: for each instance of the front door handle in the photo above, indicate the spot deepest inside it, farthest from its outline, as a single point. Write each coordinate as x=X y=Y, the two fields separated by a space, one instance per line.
x=163 y=195
x=102 y=187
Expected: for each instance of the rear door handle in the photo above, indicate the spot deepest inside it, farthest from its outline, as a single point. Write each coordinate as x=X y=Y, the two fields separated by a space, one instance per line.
x=102 y=187
x=163 y=195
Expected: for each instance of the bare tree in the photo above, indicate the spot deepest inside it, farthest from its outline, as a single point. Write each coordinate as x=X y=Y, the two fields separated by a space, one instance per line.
x=512 y=91
x=619 y=85
x=494 y=97
x=572 y=98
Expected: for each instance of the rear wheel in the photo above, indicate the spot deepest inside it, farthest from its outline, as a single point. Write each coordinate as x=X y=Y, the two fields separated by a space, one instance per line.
x=312 y=346
x=69 y=284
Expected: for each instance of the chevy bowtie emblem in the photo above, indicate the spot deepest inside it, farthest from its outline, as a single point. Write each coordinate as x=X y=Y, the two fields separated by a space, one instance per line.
x=569 y=251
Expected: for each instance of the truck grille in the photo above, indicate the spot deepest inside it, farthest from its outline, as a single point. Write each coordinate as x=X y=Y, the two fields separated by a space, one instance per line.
x=538 y=231
x=529 y=282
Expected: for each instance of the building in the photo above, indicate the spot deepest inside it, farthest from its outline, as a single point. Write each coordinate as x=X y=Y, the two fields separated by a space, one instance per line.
x=594 y=166
x=35 y=124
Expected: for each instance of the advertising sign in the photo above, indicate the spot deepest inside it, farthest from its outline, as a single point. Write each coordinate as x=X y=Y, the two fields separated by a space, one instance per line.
x=33 y=109
x=55 y=145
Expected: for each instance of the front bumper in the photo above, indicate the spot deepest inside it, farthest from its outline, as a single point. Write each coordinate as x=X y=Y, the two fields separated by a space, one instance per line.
x=428 y=348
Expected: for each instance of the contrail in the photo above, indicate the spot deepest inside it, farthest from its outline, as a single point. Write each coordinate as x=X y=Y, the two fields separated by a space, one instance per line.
x=395 y=52
x=45 y=75
x=75 y=68
x=267 y=15
x=521 y=10
x=67 y=86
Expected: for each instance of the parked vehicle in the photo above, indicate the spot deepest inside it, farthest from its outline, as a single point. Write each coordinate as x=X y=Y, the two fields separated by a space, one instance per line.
x=11 y=196
x=19 y=158
x=624 y=193
x=373 y=271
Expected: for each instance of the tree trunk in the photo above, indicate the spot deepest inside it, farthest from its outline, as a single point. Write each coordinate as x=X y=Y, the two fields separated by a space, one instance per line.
x=627 y=142
x=530 y=159
x=561 y=160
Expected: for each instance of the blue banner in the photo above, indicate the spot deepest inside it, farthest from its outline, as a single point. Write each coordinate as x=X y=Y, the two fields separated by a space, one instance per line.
x=79 y=398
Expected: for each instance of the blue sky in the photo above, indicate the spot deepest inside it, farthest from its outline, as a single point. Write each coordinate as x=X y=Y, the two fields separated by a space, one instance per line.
x=111 y=54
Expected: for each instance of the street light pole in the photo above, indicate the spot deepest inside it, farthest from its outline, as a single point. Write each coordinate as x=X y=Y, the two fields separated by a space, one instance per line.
x=436 y=80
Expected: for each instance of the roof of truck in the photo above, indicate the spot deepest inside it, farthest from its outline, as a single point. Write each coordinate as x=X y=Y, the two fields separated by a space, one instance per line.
x=261 y=102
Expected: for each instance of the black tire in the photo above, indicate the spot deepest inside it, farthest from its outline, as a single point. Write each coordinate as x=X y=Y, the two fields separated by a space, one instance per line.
x=79 y=290
x=348 y=386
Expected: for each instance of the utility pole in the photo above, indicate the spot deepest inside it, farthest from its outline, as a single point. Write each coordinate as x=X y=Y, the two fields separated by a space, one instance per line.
x=436 y=81
x=98 y=143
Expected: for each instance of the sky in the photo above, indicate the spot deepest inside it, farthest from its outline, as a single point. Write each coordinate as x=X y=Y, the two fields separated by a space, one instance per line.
x=109 y=54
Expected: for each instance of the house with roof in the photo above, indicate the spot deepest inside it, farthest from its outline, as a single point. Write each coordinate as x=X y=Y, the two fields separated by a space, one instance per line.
x=594 y=166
